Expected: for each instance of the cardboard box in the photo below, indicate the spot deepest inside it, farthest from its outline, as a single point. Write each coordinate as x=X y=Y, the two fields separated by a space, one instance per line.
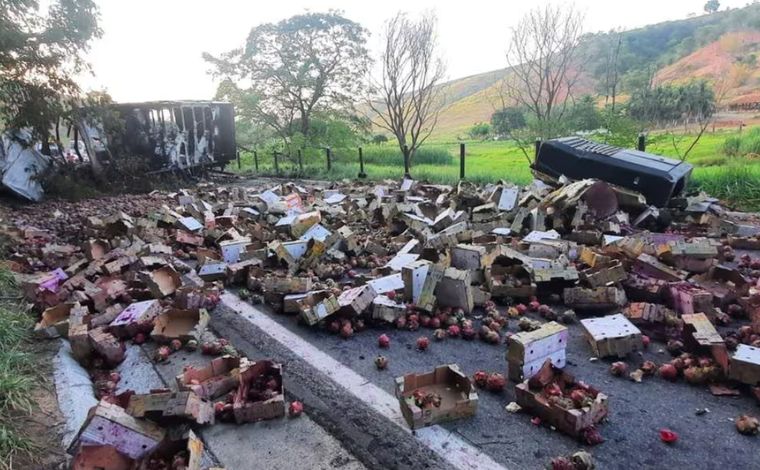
x=613 y=335
x=107 y=345
x=745 y=365
x=686 y=298
x=458 y=397
x=95 y=249
x=724 y=283
x=455 y=290
x=699 y=335
x=509 y=275
x=572 y=421
x=54 y=322
x=600 y=298
x=180 y=324
x=316 y=306
x=110 y=425
x=385 y=309
x=287 y=285
x=137 y=317
x=471 y=256
x=654 y=320
x=528 y=350
x=355 y=301
x=648 y=265
x=171 y=407
x=247 y=409
x=421 y=279
x=94 y=457
x=163 y=281
x=210 y=272
x=604 y=275
x=220 y=376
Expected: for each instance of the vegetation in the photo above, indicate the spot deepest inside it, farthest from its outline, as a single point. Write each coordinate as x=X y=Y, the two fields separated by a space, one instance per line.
x=488 y=161
x=646 y=49
x=40 y=55
x=406 y=99
x=742 y=145
x=666 y=105
x=542 y=55
x=507 y=120
x=303 y=66
x=18 y=374
x=481 y=130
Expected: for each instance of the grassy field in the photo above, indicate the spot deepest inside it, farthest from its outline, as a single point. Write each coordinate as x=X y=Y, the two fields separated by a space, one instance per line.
x=17 y=374
x=734 y=179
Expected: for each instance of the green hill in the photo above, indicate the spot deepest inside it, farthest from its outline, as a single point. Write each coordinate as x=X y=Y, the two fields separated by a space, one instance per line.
x=711 y=47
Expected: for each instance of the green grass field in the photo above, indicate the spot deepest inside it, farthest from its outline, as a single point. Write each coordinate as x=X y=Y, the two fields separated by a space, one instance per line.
x=734 y=179
x=18 y=375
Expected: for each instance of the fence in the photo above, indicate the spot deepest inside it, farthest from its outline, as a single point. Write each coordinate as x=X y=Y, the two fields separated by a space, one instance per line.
x=438 y=163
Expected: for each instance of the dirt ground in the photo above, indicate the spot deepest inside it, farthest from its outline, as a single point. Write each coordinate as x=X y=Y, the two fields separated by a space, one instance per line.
x=42 y=425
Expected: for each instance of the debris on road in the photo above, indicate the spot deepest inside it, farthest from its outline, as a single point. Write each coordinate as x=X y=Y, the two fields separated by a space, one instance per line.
x=499 y=263
x=441 y=395
x=558 y=399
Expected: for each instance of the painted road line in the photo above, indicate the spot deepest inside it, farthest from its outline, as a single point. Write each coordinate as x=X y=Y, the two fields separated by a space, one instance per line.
x=449 y=446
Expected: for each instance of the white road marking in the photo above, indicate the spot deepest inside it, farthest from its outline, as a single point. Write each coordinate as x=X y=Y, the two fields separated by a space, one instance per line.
x=448 y=445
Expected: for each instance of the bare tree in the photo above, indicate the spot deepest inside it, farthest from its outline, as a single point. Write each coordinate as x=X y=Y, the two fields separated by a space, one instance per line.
x=407 y=99
x=613 y=44
x=543 y=66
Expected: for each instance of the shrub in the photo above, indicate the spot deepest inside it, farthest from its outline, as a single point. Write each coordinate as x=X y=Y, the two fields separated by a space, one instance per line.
x=731 y=146
x=741 y=145
x=480 y=130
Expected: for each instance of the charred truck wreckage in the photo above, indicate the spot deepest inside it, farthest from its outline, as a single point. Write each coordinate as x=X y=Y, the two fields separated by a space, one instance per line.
x=169 y=135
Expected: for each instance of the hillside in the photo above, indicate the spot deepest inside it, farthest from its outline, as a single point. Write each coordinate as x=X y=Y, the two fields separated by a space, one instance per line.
x=732 y=58
x=723 y=45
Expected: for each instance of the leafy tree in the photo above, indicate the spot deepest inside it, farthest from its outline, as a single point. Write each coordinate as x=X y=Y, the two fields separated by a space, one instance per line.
x=711 y=6
x=506 y=120
x=480 y=130
x=40 y=53
x=672 y=104
x=305 y=65
x=584 y=115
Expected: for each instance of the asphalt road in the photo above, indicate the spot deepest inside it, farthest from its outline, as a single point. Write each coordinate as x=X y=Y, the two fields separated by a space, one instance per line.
x=637 y=410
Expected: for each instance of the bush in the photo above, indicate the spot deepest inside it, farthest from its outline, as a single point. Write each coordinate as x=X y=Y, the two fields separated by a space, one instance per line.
x=737 y=183
x=742 y=145
x=507 y=120
x=480 y=130
x=731 y=146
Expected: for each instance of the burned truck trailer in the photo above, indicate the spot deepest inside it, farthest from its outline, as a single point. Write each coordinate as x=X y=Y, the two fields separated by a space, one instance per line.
x=180 y=134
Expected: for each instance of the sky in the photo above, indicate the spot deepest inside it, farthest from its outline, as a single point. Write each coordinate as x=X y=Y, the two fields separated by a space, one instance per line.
x=151 y=50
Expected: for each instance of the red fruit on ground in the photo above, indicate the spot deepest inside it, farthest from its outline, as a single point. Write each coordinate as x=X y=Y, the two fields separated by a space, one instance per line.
x=496 y=382
x=667 y=436
x=295 y=408
x=480 y=378
x=668 y=372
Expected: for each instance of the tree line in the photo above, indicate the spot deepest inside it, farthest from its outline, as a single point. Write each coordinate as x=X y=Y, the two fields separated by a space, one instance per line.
x=309 y=80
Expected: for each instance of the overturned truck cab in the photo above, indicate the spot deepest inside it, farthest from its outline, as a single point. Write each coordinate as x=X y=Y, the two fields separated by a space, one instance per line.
x=657 y=178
